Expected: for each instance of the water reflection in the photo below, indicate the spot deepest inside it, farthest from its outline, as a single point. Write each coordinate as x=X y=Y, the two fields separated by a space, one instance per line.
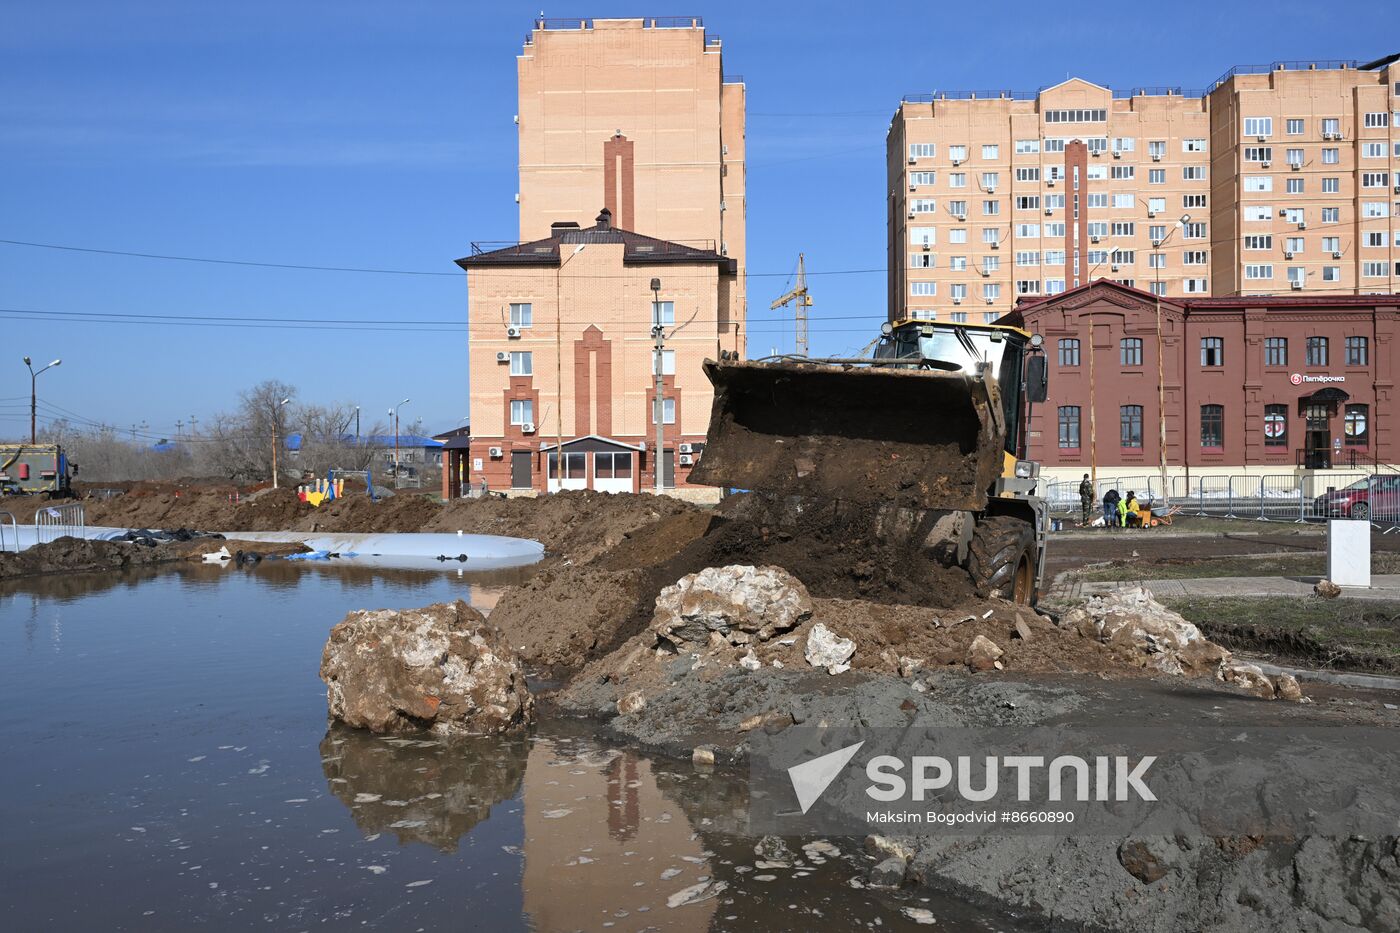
x=421 y=788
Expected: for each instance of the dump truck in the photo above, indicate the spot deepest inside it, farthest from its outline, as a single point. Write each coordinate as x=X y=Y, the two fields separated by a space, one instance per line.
x=28 y=469
x=927 y=435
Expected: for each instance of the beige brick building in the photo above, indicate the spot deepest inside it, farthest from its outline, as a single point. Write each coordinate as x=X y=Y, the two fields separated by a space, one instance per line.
x=999 y=195
x=634 y=117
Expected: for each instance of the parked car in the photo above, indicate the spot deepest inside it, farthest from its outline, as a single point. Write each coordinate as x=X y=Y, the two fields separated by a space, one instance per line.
x=1373 y=498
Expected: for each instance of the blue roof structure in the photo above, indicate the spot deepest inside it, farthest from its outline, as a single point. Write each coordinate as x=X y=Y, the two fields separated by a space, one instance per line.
x=376 y=440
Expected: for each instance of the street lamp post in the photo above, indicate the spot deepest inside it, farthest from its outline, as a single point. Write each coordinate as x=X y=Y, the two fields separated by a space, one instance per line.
x=395 y=412
x=357 y=424
x=34 y=395
x=276 y=424
x=1161 y=368
x=658 y=408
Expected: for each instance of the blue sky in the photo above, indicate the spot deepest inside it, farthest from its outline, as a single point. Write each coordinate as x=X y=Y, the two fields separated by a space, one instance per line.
x=380 y=135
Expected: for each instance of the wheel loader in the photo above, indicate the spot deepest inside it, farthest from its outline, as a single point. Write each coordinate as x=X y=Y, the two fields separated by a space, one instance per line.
x=926 y=435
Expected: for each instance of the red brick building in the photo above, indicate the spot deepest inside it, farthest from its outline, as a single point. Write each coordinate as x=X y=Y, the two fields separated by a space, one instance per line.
x=1257 y=384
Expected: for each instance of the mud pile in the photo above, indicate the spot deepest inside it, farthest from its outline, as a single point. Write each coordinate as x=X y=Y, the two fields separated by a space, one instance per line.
x=76 y=555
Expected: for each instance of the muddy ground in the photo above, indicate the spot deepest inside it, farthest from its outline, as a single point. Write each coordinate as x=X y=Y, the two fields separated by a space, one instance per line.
x=77 y=555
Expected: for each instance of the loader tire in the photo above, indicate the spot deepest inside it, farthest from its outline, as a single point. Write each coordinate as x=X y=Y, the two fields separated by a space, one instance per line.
x=1001 y=559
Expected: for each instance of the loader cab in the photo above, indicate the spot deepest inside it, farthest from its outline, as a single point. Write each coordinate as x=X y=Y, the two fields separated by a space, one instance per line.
x=1020 y=375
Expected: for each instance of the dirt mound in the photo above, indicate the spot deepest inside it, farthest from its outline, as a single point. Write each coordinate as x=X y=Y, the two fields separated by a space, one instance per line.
x=564 y=617
x=359 y=513
x=77 y=555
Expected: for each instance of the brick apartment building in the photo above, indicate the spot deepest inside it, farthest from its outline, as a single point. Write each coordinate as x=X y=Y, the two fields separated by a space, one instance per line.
x=1276 y=179
x=634 y=116
x=1287 y=384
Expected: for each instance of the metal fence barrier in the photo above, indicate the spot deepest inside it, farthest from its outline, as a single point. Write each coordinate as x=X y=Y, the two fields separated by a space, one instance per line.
x=1373 y=497
x=56 y=521
x=13 y=536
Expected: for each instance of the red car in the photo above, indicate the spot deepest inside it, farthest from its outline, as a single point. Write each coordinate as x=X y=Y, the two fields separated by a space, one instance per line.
x=1375 y=498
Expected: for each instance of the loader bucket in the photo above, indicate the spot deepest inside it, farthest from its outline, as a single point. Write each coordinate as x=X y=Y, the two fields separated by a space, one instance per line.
x=909 y=438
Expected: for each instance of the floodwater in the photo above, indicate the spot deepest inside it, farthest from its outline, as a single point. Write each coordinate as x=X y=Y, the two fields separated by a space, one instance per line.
x=168 y=766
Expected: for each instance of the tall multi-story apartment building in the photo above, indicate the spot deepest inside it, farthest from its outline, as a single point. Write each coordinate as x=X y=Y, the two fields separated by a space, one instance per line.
x=1277 y=178
x=631 y=216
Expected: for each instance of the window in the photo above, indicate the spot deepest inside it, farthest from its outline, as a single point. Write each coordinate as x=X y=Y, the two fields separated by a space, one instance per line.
x=1275 y=351
x=1256 y=183
x=1056 y=201
x=921 y=236
x=1124 y=228
x=1331 y=244
x=1193 y=173
x=1331 y=126
x=1130 y=351
x=1259 y=241
x=923 y=150
x=991 y=292
x=991 y=263
x=521 y=314
x=957 y=263
x=1262 y=270
x=1124 y=172
x=1156 y=260
x=991 y=235
x=522 y=411
x=991 y=207
x=1317 y=351
x=991 y=151
x=1076 y=116
x=1294 y=244
x=922 y=260
x=1028 y=174
x=1294 y=215
x=1068 y=417
x=1027 y=146
x=923 y=314
x=1158 y=288
x=1156 y=176
x=990 y=180
x=1212 y=351
x=1331 y=273
x=1054 y=257
x=1125 y=200
x=1374 y=270
x=1212 y=427
x=612 y=465
x=1054 y=145
x=1356 y=351
x=1297 y=276
x=1028 y=258
x=668 y=362
x=1097 y=173
x=1028 y=202
x=1331 y=185
x=668 y=411
x=1355 y=425
x=1294 y=156
x=1054 y=286
x=1130 y=426
x=575 y=465
x=1375 y=179
x=1056 y=229
x=958 y=317
x=1375 y=238
x=522 y=363
x=663 y=312
x=1295 y=186
x=1069 y=351
x=1193 y=257
x=1294 y=127
x=1193 y=231
x=1331 y=156
x=1028 y=286
x=1258 y=126
x=923 y=205
x=957 y=235
x=923 y=288
x=1193 y=145
x=1156 y=205
x=1373 y=150
x=1275 y=425
x=1331 y=215
x=1027 y=230
x=957 y=179
x=957 y=291
x=1372 y=120
x=1194 y=286
x=923 y=178
x=957 y=153
x=1258 y=153
x=1157 y=148
x=1372 y=209
x=1124 y=144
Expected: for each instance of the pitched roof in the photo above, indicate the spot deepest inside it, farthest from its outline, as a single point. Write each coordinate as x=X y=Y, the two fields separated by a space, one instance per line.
x=637 y=249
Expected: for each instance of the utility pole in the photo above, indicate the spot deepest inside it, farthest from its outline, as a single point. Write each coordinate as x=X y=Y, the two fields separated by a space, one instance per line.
x=357 y=424
x=658 y=409
x=276 y=424
x=802 y=301
x=34 y=396
x=395 y=413
x=179 y=425
x=193 y=421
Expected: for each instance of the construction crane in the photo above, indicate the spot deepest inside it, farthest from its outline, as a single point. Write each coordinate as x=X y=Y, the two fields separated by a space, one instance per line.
x=802 y=300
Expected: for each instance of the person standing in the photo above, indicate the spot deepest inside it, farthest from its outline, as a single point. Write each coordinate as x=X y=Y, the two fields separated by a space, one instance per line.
x=1086 y=499
x=1110 y=508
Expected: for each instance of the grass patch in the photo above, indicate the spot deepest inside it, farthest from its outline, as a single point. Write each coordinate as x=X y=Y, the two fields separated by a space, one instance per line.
x=1346 y=634
x=1267 y=565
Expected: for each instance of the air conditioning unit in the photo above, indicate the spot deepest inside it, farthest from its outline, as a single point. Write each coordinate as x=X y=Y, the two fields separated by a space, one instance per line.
x=1156 y=157
x=1113 y=268
x=912 y=215
x=913 y=187
x=1094 y=239
x=513 y=333
x=1156 y=243
x=686 y=459
x=1261 y=138
x=1297 y=285
x=1283 y=212
x=1151 y=213
x=1050 y=182
x=1337 y=254
x=1265 y=164
x=990 y=300
x=685 y=448
x=960 y=217
x=1049 y=211
x=957 y=301
x=957 y=162
x=495 y=453
x=994 y=245
x=1397 y=189
x=1302 y=225
x=502 y=356
x=1287 y=254
x=528 y=427
x=517 y=197
x=927 y=246
x=1117 y=154
x=1296 y=166
x=913 y=161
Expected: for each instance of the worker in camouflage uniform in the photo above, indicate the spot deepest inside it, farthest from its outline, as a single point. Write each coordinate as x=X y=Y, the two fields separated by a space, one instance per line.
x=1086 y=498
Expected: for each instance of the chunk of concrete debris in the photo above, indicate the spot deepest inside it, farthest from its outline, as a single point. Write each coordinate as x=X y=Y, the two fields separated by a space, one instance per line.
x=749 y=723
x=1326 y=589
x=441 y=667
x=920 y=915
x=772 y=849
x=984 y=654
x=738 y=602
x=703 y=755
x=1023 y=628
x=696 y=893
x=826 y=649
x=1145 y=860
x=1249 y=678
x=882 y=847
x=1133 y=621
x=908 y=667
x=1286 y=687
x=750 y=661
x=632 y=703
x=886 y=874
